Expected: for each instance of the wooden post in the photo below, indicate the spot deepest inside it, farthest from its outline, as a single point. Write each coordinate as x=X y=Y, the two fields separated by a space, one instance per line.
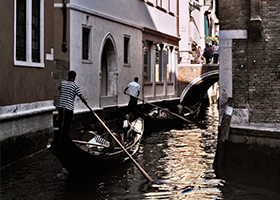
x=223 y=135
x=225 y=124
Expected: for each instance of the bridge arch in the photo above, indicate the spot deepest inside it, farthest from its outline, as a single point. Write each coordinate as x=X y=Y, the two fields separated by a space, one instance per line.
x=196 y=90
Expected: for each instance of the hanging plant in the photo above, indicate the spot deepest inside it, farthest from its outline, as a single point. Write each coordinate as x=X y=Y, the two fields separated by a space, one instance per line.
x=194 y=44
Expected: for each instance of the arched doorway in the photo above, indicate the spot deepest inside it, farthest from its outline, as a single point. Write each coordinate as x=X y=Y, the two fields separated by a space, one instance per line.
x=109 y=73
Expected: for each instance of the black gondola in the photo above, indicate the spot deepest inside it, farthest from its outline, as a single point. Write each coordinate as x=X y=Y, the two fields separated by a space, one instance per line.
x=161 y=123
x=161 y=119
x=85 y=157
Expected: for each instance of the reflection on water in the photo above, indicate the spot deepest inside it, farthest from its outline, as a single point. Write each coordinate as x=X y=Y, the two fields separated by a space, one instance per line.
x=180 y=161
x=188 y=166
x=185 y=164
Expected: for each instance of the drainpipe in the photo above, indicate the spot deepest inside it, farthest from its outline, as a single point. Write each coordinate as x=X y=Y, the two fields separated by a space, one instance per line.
x=64 y=48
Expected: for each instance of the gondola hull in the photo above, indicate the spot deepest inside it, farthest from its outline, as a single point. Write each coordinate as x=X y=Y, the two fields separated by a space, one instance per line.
x=156 y=124
x=80 y=162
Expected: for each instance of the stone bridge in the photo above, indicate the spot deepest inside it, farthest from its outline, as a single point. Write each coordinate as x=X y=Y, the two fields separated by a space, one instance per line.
x=194 y=80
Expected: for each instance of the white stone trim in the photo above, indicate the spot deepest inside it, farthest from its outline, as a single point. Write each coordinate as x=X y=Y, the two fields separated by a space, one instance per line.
x=28 y=62
x=225 y=59
x=26 y=109
x=232 y=34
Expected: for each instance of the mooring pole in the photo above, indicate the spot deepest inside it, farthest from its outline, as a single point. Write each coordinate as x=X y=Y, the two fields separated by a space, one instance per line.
x=223 y=135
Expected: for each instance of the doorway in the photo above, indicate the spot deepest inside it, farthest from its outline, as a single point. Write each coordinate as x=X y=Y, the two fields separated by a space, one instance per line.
x=109 y=73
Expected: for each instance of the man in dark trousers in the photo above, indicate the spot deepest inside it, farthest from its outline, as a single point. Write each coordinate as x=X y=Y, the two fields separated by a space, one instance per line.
x=68 y=91
x=133 y=91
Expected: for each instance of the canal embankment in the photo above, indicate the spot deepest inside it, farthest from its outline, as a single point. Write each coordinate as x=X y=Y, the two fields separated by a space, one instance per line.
x=252 y=150
x=22 y=138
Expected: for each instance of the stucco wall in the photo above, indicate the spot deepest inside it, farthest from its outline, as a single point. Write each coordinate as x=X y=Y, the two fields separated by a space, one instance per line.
x=88 y=73
x=113 y=19
x=136 y=12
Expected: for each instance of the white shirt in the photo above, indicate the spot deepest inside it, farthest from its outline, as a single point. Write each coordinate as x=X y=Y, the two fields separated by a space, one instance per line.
x=133 y=89
x=216 y=49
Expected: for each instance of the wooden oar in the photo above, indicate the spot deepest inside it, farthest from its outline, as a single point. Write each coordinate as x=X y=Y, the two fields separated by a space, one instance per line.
x=179 y=116
x=137 y=165
x=84 y=142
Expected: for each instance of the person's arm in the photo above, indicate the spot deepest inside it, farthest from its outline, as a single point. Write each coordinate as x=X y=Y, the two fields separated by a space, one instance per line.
x=83 y=99
x=125 y=90
x=138 y=91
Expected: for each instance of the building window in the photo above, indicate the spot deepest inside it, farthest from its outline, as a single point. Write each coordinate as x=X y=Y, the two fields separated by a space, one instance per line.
x=207 y=2
x=126 y=53
x=168 y=66
x=159 y=3
x=86 y=43
x=35 y=30
x=147 y=66
x=29 y=33
x=21 y=31
x=158 y=66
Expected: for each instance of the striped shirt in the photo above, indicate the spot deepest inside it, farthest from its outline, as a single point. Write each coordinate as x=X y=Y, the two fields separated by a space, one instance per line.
x=68 y=92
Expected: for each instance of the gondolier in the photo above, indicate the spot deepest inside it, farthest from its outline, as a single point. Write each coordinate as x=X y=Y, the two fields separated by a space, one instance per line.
x=68 y=91
x=133 y=91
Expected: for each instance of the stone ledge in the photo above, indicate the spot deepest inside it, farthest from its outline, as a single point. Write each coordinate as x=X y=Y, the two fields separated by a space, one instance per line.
x=257 y=130
x=26 y=109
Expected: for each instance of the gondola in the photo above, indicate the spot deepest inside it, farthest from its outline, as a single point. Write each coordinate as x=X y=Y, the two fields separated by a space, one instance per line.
x=156 y=124
x=93 y=153
x=161 y=121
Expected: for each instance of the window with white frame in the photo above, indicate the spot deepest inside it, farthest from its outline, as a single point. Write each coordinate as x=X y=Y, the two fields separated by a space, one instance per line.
x=29 y=33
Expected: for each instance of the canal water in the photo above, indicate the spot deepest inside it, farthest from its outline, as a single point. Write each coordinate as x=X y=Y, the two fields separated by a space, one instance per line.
x=179 y=160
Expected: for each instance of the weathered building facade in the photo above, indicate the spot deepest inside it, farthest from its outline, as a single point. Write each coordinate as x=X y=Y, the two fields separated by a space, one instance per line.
x=107 y=43
x=111 y=42
x=26 y=83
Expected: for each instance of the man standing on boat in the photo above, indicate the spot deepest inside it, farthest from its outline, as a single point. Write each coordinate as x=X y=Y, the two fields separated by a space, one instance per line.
x=68 y=91
x=133 y=91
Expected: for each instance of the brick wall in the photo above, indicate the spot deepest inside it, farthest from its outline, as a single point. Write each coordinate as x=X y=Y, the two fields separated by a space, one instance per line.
x=234 y=14
x=257 y=86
